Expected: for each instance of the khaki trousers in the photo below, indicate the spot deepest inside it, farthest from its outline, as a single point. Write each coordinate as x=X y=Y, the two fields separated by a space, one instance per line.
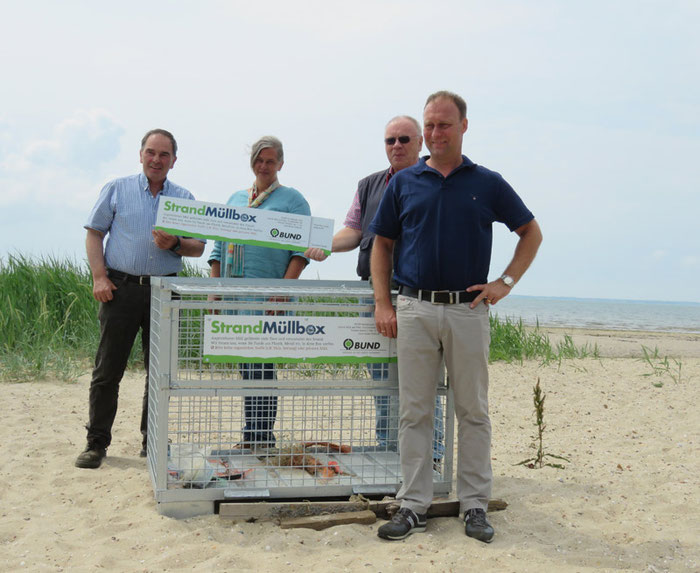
x=427 y=334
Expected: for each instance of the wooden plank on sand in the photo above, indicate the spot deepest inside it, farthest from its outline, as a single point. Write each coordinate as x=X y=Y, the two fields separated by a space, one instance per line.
x=318 y=522
x=265 y=511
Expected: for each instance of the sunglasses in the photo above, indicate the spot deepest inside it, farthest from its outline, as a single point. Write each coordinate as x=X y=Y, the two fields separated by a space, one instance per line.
x=403 y=139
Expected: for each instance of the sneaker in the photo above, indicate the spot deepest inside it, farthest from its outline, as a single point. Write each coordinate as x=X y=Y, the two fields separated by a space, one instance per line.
x=476 y=525
x=144 y=452
x=91 y=458
x=404 y=522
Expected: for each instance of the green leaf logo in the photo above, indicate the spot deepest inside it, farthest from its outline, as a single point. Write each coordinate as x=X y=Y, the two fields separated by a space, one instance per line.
x=274 y=232
x=348 y=343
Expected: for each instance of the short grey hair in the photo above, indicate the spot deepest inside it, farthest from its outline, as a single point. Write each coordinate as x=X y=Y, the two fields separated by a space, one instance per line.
x=160 y=132
x=266 y=142
x=413 y=120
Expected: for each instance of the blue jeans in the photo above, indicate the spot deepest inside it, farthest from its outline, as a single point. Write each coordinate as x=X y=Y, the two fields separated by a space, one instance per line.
x=260 y=411
x=379 y=372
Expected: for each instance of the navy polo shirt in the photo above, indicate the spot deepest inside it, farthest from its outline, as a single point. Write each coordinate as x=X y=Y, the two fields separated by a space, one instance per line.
x=443 y=225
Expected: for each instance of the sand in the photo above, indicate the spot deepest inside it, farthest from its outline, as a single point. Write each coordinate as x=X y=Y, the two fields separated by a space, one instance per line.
x=627 y=500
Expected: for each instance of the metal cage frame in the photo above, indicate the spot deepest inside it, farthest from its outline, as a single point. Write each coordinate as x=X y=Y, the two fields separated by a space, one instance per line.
x=327 y=416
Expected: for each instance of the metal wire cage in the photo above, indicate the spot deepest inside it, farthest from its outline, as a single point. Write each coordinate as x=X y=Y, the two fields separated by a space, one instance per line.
x=254 y=429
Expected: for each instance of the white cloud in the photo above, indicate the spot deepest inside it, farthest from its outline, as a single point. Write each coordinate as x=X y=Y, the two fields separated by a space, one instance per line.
x=83 y=141
x=64 y=168
x=690 y=261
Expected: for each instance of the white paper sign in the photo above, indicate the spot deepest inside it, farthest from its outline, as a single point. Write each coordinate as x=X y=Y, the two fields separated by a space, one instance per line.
x=314 y=339
x=243 y=225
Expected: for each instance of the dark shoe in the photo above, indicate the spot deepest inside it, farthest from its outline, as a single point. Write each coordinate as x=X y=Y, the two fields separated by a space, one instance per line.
x=476 y=525
x=91 y=458
x=404 y=522
x=253 y=445
x=144 y=452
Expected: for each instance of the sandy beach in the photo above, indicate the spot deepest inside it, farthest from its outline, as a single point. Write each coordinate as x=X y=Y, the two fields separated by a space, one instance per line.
x=627 y=500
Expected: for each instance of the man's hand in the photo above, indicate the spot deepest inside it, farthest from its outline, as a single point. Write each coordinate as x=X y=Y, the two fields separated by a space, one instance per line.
x=385 y=320
x=384 y=313
x=163 y=240
x=102 y=289
x=344 y=240
x=525 y=251
x=315 y=254
x=490 y=293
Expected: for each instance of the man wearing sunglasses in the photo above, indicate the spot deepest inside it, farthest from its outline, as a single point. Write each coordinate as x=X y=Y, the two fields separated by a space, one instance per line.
x=402 y=144
x=434 y=234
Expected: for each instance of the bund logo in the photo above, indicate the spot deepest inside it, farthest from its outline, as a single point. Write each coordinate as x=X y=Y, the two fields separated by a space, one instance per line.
x=350 y=344
x=277 y=234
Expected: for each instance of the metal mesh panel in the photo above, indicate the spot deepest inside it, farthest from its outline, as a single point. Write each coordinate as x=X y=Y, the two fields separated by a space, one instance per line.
x=270 y=430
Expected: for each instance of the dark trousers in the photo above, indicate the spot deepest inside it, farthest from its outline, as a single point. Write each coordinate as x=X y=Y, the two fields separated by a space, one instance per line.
x=120 y=320
x=260 y=411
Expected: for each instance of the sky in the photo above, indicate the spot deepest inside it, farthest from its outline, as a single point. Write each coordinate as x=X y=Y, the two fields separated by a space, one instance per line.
x=590 y=110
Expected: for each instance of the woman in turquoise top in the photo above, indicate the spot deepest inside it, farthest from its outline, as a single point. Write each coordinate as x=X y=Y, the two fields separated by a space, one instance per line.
x=234 y=260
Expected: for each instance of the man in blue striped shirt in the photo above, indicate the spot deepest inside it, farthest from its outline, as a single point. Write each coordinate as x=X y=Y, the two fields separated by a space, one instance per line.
x=125 y=213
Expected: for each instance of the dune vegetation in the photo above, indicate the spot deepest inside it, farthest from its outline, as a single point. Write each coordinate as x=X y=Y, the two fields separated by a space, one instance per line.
x=49 y=327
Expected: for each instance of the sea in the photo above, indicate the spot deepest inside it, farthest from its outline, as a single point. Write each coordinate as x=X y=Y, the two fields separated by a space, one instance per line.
x=604 y=314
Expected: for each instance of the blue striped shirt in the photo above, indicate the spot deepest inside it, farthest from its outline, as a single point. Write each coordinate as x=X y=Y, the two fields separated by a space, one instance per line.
x=126 y=212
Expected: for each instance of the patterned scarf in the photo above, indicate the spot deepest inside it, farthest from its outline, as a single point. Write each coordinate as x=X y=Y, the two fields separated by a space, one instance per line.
x=255 y=198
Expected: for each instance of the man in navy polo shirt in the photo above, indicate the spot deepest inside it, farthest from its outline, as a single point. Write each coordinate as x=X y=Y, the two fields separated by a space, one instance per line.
x=439 y=215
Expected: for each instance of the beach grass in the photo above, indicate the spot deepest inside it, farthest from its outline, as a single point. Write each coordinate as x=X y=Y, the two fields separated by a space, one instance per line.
x=512 y=341
x=48 y=318
x=49 y=326
x=661 y=366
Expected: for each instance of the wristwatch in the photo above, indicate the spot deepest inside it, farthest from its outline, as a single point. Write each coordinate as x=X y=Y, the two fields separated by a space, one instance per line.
x=507 y=280
x=176 y=247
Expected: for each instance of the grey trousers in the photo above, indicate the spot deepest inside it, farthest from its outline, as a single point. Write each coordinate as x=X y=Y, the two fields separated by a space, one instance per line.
x=427 y=334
